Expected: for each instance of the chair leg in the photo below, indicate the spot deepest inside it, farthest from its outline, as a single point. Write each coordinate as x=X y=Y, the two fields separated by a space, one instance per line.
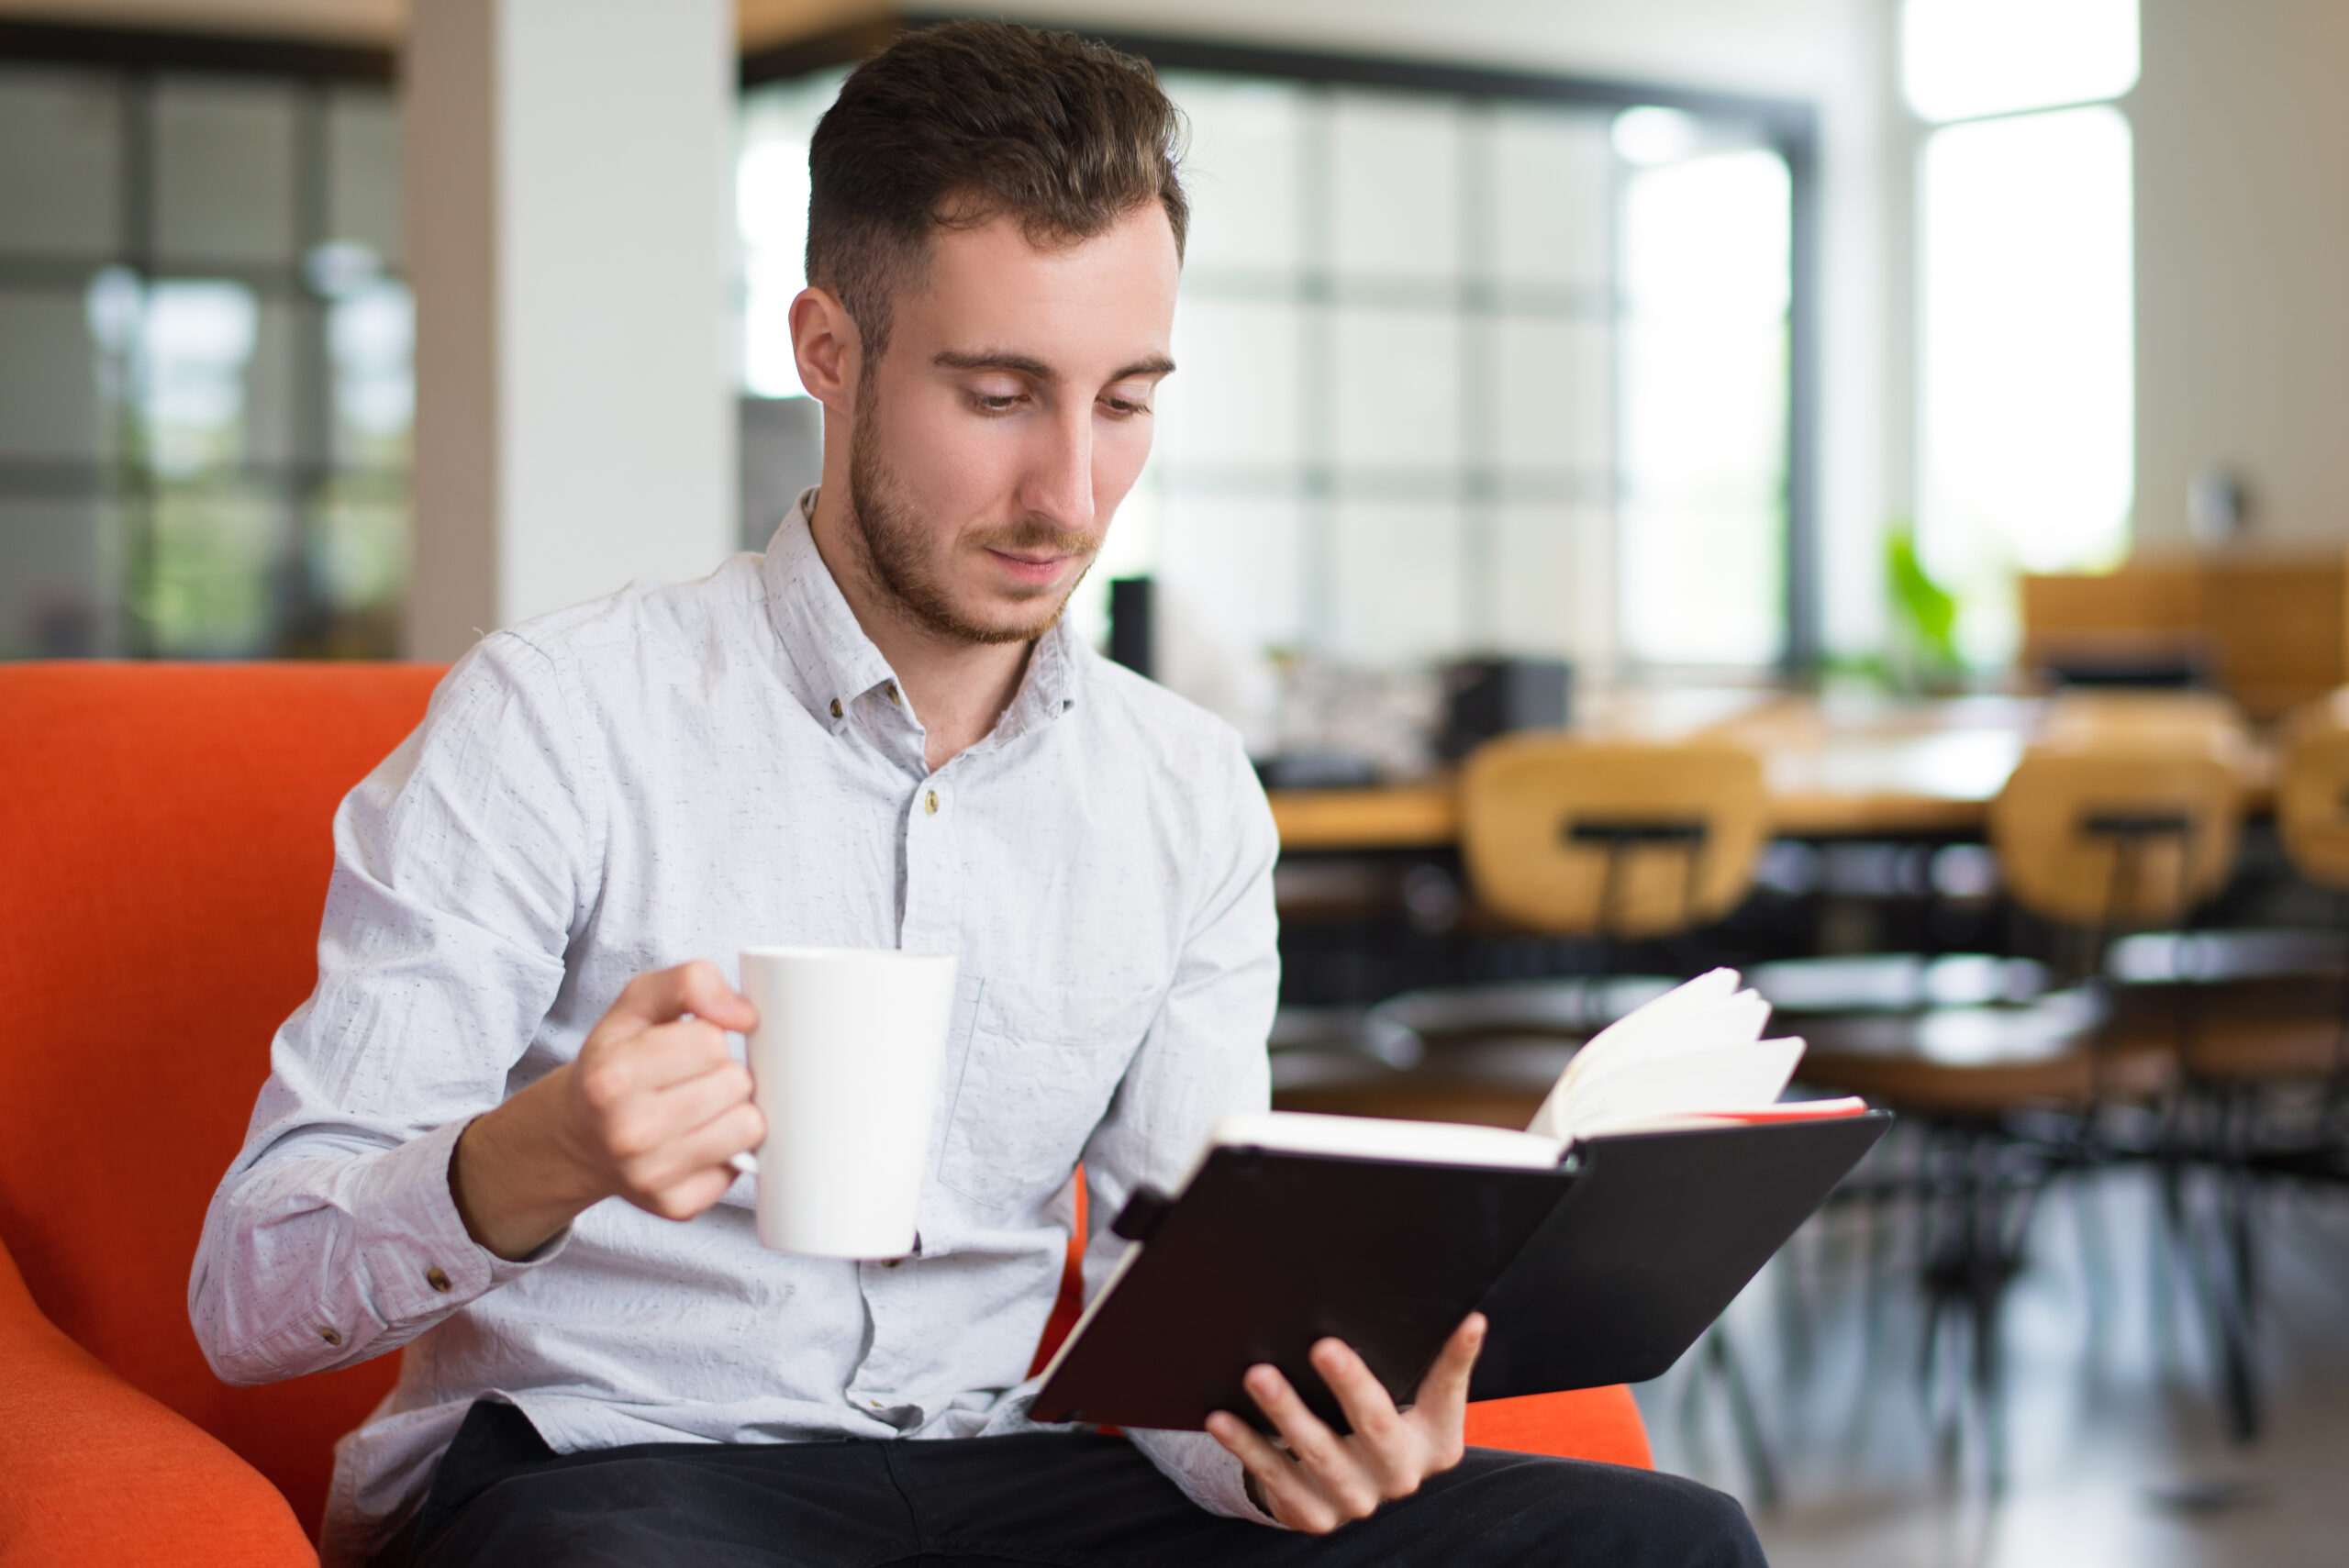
x=1753 y=1444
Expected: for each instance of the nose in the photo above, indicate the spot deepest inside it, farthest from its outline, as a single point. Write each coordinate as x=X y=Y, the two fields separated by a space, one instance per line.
x=1060 y=478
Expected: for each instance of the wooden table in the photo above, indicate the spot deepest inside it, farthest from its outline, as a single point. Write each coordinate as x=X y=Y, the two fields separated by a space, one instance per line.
x=1887 y=770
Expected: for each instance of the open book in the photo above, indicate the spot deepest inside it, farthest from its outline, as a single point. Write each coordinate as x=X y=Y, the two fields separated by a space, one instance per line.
x=1659 y=1174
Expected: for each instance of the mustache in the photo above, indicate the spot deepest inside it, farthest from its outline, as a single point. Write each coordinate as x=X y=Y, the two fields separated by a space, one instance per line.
x=1034 y=535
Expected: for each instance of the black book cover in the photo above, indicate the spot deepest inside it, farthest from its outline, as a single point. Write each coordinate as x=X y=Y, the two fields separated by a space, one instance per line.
x=1603 y=1269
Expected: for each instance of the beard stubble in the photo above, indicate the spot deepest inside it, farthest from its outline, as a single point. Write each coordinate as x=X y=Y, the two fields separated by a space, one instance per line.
x=905 y=558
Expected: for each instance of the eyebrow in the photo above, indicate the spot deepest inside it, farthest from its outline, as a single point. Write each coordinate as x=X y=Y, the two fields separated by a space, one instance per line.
x=1035 y=369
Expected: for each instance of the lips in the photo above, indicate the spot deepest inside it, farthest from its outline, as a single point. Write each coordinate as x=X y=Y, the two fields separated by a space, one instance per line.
x=1035 y=571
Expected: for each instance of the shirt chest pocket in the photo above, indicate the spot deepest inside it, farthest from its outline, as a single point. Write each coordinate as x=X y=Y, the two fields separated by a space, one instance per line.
x=1035 y=1080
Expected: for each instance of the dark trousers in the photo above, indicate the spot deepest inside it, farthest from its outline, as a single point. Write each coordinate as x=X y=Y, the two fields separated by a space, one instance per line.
x=1071 y=1500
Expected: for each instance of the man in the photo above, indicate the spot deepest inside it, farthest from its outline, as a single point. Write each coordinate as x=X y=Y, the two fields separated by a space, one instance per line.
x=877 y=735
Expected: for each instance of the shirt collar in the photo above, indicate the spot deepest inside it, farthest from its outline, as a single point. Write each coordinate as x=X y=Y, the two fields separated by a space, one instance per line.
x=833 y=663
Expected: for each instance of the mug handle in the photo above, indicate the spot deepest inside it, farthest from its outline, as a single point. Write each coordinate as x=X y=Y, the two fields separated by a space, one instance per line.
x=746 y=1162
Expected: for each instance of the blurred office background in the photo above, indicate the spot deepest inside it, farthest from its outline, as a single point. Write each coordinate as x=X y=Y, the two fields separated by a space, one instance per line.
x=1799 y=372
x=1618 y=333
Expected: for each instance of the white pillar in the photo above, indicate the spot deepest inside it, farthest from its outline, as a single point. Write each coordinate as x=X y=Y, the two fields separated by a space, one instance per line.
x=569 y=199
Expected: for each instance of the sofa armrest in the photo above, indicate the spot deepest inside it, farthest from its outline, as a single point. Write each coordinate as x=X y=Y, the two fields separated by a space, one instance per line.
x=98 y=1473
x=1601 y=1424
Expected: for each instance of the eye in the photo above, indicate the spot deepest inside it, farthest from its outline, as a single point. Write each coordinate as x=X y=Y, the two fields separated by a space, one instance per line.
x=996 y=402
x=1124 y=404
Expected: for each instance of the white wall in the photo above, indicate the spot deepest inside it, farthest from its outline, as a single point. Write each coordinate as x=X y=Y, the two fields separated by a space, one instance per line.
x=2242 y=119
x=569 y=200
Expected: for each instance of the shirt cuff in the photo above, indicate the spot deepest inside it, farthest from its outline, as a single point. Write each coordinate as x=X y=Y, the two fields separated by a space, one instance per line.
x=1207 y=1472
x=420 y=1258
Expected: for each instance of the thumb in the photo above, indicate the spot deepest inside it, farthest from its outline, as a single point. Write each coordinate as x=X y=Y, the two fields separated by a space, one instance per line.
x=1444 y=1392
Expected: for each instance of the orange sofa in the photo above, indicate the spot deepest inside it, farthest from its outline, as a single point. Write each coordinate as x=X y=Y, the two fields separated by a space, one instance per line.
x=164 y=852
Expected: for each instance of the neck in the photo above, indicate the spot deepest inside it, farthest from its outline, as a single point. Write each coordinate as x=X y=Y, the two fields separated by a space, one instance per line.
x=958 y=689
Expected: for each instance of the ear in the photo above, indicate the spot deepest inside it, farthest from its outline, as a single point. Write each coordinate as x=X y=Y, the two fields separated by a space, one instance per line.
x=830 y=349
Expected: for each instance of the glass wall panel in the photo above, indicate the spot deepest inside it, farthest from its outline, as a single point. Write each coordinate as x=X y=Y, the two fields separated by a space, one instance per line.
x=1707 y=286
x=225 y=170
x=1537 y=569
x=1235 y=397
x=363 y=184
x=1394 y=184
x=2029 y=383
x=60 y=163
x=216 y=554
x=1396 y=387
x=1243 y=175
x=771 y=215
x=58 y=578
x=1553 y=181
x=49 y=391
x=1398 y=581
x=1257 y=606
x=218 y=426
x=371 y=344
x=1553 y=397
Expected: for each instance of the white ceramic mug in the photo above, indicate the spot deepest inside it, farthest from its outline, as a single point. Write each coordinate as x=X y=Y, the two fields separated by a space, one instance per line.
x=844 y=1066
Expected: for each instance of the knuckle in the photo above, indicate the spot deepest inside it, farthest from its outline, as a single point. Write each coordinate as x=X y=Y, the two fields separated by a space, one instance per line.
x=603 y=1083
x=631 y=1137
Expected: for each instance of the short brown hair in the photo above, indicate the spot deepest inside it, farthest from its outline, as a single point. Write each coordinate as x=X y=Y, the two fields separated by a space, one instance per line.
x=961 y=123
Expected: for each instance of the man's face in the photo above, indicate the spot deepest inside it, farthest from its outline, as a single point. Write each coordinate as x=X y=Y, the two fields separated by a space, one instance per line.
x=1008 y=416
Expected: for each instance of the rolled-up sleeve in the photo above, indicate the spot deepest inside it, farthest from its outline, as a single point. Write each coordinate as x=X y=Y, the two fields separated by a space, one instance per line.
x=1202 y=1059
x=461 y=865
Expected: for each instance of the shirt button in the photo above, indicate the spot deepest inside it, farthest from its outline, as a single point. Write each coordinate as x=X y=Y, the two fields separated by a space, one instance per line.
x=836 y=708
x=893 y=1262
x=930 y=803
x=331 y=1336
x=892 y=689
x=436 y=1279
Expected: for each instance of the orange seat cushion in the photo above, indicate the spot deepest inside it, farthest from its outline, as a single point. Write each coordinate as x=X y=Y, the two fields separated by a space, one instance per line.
x=165 y=840
x=94 y=1472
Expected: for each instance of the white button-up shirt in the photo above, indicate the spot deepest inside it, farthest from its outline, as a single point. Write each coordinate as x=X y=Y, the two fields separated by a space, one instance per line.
x=679 y=772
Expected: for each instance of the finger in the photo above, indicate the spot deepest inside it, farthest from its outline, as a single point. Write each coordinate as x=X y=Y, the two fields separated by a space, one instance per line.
x=687 y=1197
x=669 y=1054
x=690 y=1150
x=663 y=995
x=1386 y=1449
x=1287 y=1491
x=691 y=1102
x=1314 y=1444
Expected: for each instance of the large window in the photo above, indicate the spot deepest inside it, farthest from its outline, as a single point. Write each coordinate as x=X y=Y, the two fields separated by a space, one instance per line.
x=205 y=384
x=1468 y=363
x=2027 y=396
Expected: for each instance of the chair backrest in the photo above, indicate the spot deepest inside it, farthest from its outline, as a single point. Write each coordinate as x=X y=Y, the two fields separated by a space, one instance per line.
x=2313 y=791
x=1579 y=836
x=164 y=849
x=2104 y=837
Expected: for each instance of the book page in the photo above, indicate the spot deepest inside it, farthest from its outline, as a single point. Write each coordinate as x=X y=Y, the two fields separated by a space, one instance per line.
x=1695 y=1049
x=1738 y=1076
x=1378 y=1137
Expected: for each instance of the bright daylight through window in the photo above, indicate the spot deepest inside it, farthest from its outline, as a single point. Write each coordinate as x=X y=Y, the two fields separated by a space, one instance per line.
x=2026 y=325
